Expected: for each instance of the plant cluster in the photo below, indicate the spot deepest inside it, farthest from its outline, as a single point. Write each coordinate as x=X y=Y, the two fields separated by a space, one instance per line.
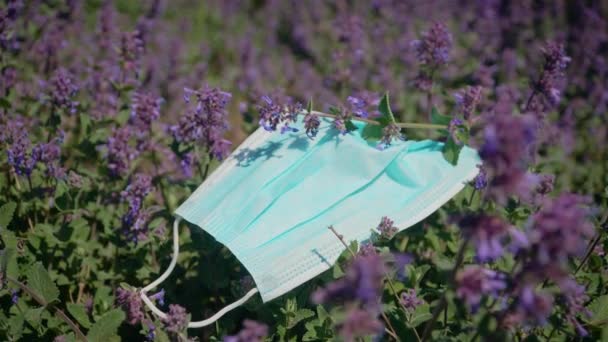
x=113 y=112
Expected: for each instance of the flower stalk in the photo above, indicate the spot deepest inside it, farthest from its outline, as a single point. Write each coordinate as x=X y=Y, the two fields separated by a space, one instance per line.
x=374 y=122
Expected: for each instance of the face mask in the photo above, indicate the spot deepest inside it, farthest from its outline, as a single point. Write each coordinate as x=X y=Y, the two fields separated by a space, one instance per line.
x=271 y=202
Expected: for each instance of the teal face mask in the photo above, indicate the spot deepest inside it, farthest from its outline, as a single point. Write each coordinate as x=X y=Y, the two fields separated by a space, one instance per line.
x=273 y=199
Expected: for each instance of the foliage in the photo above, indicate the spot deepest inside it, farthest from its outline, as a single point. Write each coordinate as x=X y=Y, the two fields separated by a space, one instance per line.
x=112 y=113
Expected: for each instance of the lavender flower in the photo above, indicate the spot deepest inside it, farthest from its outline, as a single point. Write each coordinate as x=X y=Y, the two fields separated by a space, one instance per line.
x=50 y=154
x=363 y=281
x=63 y=90
x=389 y=133
x=386 y=227
x=15 y=136
x=131 y=303
x=145 y=109
x=556 y=62
x=487 y=234
x=187 y=164
x=575 y=298
x=467 y=100
x=159 y=297
x=410 y=300
x=276 y=111
x=367 y=248
x=505 y=152
x=433 y=48
x=455 y=127
x=473 y=282
x=340 y=125
x=220 y=148
x=134 y=222
x=14 y=297
x=120 y=154
x=480 y=181
x=545 y=185
x=560 y=230
x=131 y=50
x=358 y=106
x=270 y=114
x=252 y=332
x=207 y=122
x=138 y=188
x=177 y=319
x=151 y=331
x=533 y=306
x=311 y=125
x=359 y=322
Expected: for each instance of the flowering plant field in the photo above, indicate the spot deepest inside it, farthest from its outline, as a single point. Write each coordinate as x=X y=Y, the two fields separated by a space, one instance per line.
x=113 y=112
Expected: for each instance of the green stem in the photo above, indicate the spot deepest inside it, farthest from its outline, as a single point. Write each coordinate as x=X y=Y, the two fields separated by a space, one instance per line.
x=42 y=301
x=444 y=300
x=374 y=122
x=389 y=330
x=405 y=311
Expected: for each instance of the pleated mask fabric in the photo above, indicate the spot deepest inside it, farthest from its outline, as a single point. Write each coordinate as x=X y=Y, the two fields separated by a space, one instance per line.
x=272 y=200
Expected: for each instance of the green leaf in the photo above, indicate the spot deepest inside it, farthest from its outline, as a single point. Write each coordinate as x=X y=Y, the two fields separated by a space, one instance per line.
x=599 y=310
x=322 y=313
x=4 y=103
x=33 y=316
x=40 y=281
x=385 y=109
x=6 y=214
x=438 y=118
x=79 y=312
x=372 y=133
x=350 y=126
x=300 y=315
x=451 y=151
x=421 y=315
x=85 y=123
x=106 y=326
x=15 y=324
x=309 y=106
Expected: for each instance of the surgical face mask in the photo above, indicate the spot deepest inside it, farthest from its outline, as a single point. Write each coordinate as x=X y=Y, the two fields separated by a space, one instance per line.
x=272 y=200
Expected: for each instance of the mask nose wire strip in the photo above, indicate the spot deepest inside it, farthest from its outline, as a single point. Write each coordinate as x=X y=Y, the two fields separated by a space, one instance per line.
x=165 y=275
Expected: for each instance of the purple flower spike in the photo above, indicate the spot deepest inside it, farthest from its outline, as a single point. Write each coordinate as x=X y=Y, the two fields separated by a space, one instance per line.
x=276 y=111
x=506 y=152
x=533 y=306
x=311 y=125
x=560 y=230
x=131 y=303
x=389 y=133
x=359 y=322
x=206 y=122
x=358 y=106
x=145 y=109
x=487 y=234
x=252 y=332
x=475 y=281
x=14 y=296
x=433 y=48
x=135 y=221
x=15 y=135
x=176 y=320
x=387 y=228
x=481 y=180
x=410 y=300
x=363 y=282
x=467 y=100
x=63 y=90
x=159 y=297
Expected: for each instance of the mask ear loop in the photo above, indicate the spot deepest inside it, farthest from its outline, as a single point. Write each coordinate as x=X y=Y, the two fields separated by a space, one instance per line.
x=165 y=275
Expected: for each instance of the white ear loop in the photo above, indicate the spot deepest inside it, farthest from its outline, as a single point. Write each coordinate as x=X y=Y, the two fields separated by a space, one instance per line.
x=165 y=275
